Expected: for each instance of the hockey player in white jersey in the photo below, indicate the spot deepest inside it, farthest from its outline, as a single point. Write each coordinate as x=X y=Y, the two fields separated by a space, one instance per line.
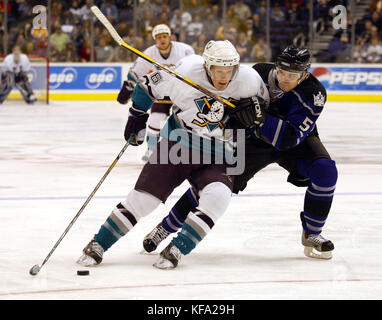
x=14 y=74
x=165 y=52
x=197 y=116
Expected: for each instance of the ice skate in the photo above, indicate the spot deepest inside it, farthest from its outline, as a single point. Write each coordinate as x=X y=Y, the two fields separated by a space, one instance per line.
x=316 y=246
x=169 y=257
x=154 y=238
x=92 y=254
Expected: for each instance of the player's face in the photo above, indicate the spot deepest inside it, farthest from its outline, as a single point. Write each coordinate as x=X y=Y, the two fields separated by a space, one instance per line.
x=221 y=76
x=163 y=41
x=287 y=80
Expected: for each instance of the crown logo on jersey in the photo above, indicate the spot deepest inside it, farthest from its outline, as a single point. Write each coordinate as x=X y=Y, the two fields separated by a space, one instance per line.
x=211 y=113
x=319 y=99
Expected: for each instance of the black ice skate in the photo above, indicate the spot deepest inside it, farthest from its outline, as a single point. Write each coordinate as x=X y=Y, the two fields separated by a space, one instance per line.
x=316 y=246
x=169 y=257
x=92 y=254
x=154 y=238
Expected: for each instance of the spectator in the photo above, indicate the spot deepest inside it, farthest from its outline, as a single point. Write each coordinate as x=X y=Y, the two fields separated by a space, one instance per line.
x=175 y=22
x=148 y=22
x=29 y=48
x=70 y=54
x=293 y=13
x=194 y=29
x=227 y=31
x=85 y=51
x=359 y=53
x=375 y=6
x=213 y=24
x=104 y=52
x=336 y=46
x=163 y=18
x=109 y=9
x=77 y=38
x=345 y=54
x=243 y=47
x=241 y=11
x=59 y=39
x=373 y=52
x=262 y=7
x=41 y=44
x=261 y=52
x=75 y=8
x=277 y=14
x=85 y=13
x=376 y=20
x=200 y=43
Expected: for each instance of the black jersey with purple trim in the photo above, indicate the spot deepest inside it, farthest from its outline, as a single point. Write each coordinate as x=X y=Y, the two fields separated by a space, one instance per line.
x=292 y=115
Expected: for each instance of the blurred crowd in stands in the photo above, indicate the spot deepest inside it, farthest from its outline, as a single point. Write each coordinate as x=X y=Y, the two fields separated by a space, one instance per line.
x=194 y=22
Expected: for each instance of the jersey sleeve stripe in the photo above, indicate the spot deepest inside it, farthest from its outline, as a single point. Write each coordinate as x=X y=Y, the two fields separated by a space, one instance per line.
x=305 y=105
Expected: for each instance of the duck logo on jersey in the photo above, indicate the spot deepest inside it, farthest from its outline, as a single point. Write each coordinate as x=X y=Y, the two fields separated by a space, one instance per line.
x=211 y=113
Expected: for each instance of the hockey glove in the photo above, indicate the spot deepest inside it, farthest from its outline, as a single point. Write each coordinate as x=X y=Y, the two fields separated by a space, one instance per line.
x=21 y=77
x=135 y=129
x=126 y=91
x=250 y=111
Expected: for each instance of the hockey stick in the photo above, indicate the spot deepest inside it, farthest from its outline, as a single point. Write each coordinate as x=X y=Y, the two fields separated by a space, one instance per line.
x=101 y=17
x=36 y=268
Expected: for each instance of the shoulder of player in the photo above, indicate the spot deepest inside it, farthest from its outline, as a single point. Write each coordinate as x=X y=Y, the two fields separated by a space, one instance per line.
x=182 y=45
x=151 y=49
x=188 y=63
x=312 y=90
x=263 y=69
x=247 y=73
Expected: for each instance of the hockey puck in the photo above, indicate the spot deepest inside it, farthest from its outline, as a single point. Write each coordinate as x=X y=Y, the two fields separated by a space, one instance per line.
x=83 y=272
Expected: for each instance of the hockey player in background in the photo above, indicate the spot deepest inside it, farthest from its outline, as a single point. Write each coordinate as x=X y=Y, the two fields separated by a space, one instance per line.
x=218 y=71
x=14 y=74
x=165 y=52
x=287 y=136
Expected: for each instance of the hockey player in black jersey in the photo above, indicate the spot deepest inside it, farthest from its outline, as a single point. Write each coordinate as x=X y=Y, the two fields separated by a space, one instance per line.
x=285 y=133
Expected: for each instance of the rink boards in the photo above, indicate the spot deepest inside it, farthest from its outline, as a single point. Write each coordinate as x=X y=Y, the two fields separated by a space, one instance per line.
x=77 y=81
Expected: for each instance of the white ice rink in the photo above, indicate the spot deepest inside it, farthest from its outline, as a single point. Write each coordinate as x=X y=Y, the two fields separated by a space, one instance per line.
x=52 y=157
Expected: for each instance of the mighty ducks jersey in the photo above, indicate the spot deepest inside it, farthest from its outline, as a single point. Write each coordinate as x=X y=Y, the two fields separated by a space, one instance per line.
x=141 y=66
x=292 y=115
x=10 y=65
x=193 y=111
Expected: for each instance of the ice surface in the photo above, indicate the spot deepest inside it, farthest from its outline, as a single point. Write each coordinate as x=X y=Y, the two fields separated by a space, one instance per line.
x=51 y=158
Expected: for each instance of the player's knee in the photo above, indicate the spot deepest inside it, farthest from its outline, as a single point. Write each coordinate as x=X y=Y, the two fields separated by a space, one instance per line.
x=140 y=203
x=323 y=172
x=214 y=200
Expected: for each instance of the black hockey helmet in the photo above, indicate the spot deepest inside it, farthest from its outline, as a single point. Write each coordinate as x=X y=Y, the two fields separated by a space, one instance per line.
x=293 y=59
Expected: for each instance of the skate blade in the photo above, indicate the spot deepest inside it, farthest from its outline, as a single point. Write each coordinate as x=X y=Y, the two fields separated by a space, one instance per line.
x=311 y=252
x=163 y=264
x=86 y=261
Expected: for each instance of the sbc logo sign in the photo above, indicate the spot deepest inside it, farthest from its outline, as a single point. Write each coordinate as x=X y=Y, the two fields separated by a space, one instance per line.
x=66 y=76
x=95 y=80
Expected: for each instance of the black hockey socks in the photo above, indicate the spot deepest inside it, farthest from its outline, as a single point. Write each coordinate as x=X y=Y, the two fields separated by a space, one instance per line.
x=319 y=195
x=179 y=212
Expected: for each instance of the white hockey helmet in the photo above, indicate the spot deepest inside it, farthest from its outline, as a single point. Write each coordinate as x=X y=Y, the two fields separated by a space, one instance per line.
x=161 y=28
x=220 y=53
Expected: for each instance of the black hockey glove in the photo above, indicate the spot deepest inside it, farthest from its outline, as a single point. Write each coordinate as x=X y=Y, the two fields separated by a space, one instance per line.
x=135 y=129
x=249 y=111
x=126 y=91
x=21 y=77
